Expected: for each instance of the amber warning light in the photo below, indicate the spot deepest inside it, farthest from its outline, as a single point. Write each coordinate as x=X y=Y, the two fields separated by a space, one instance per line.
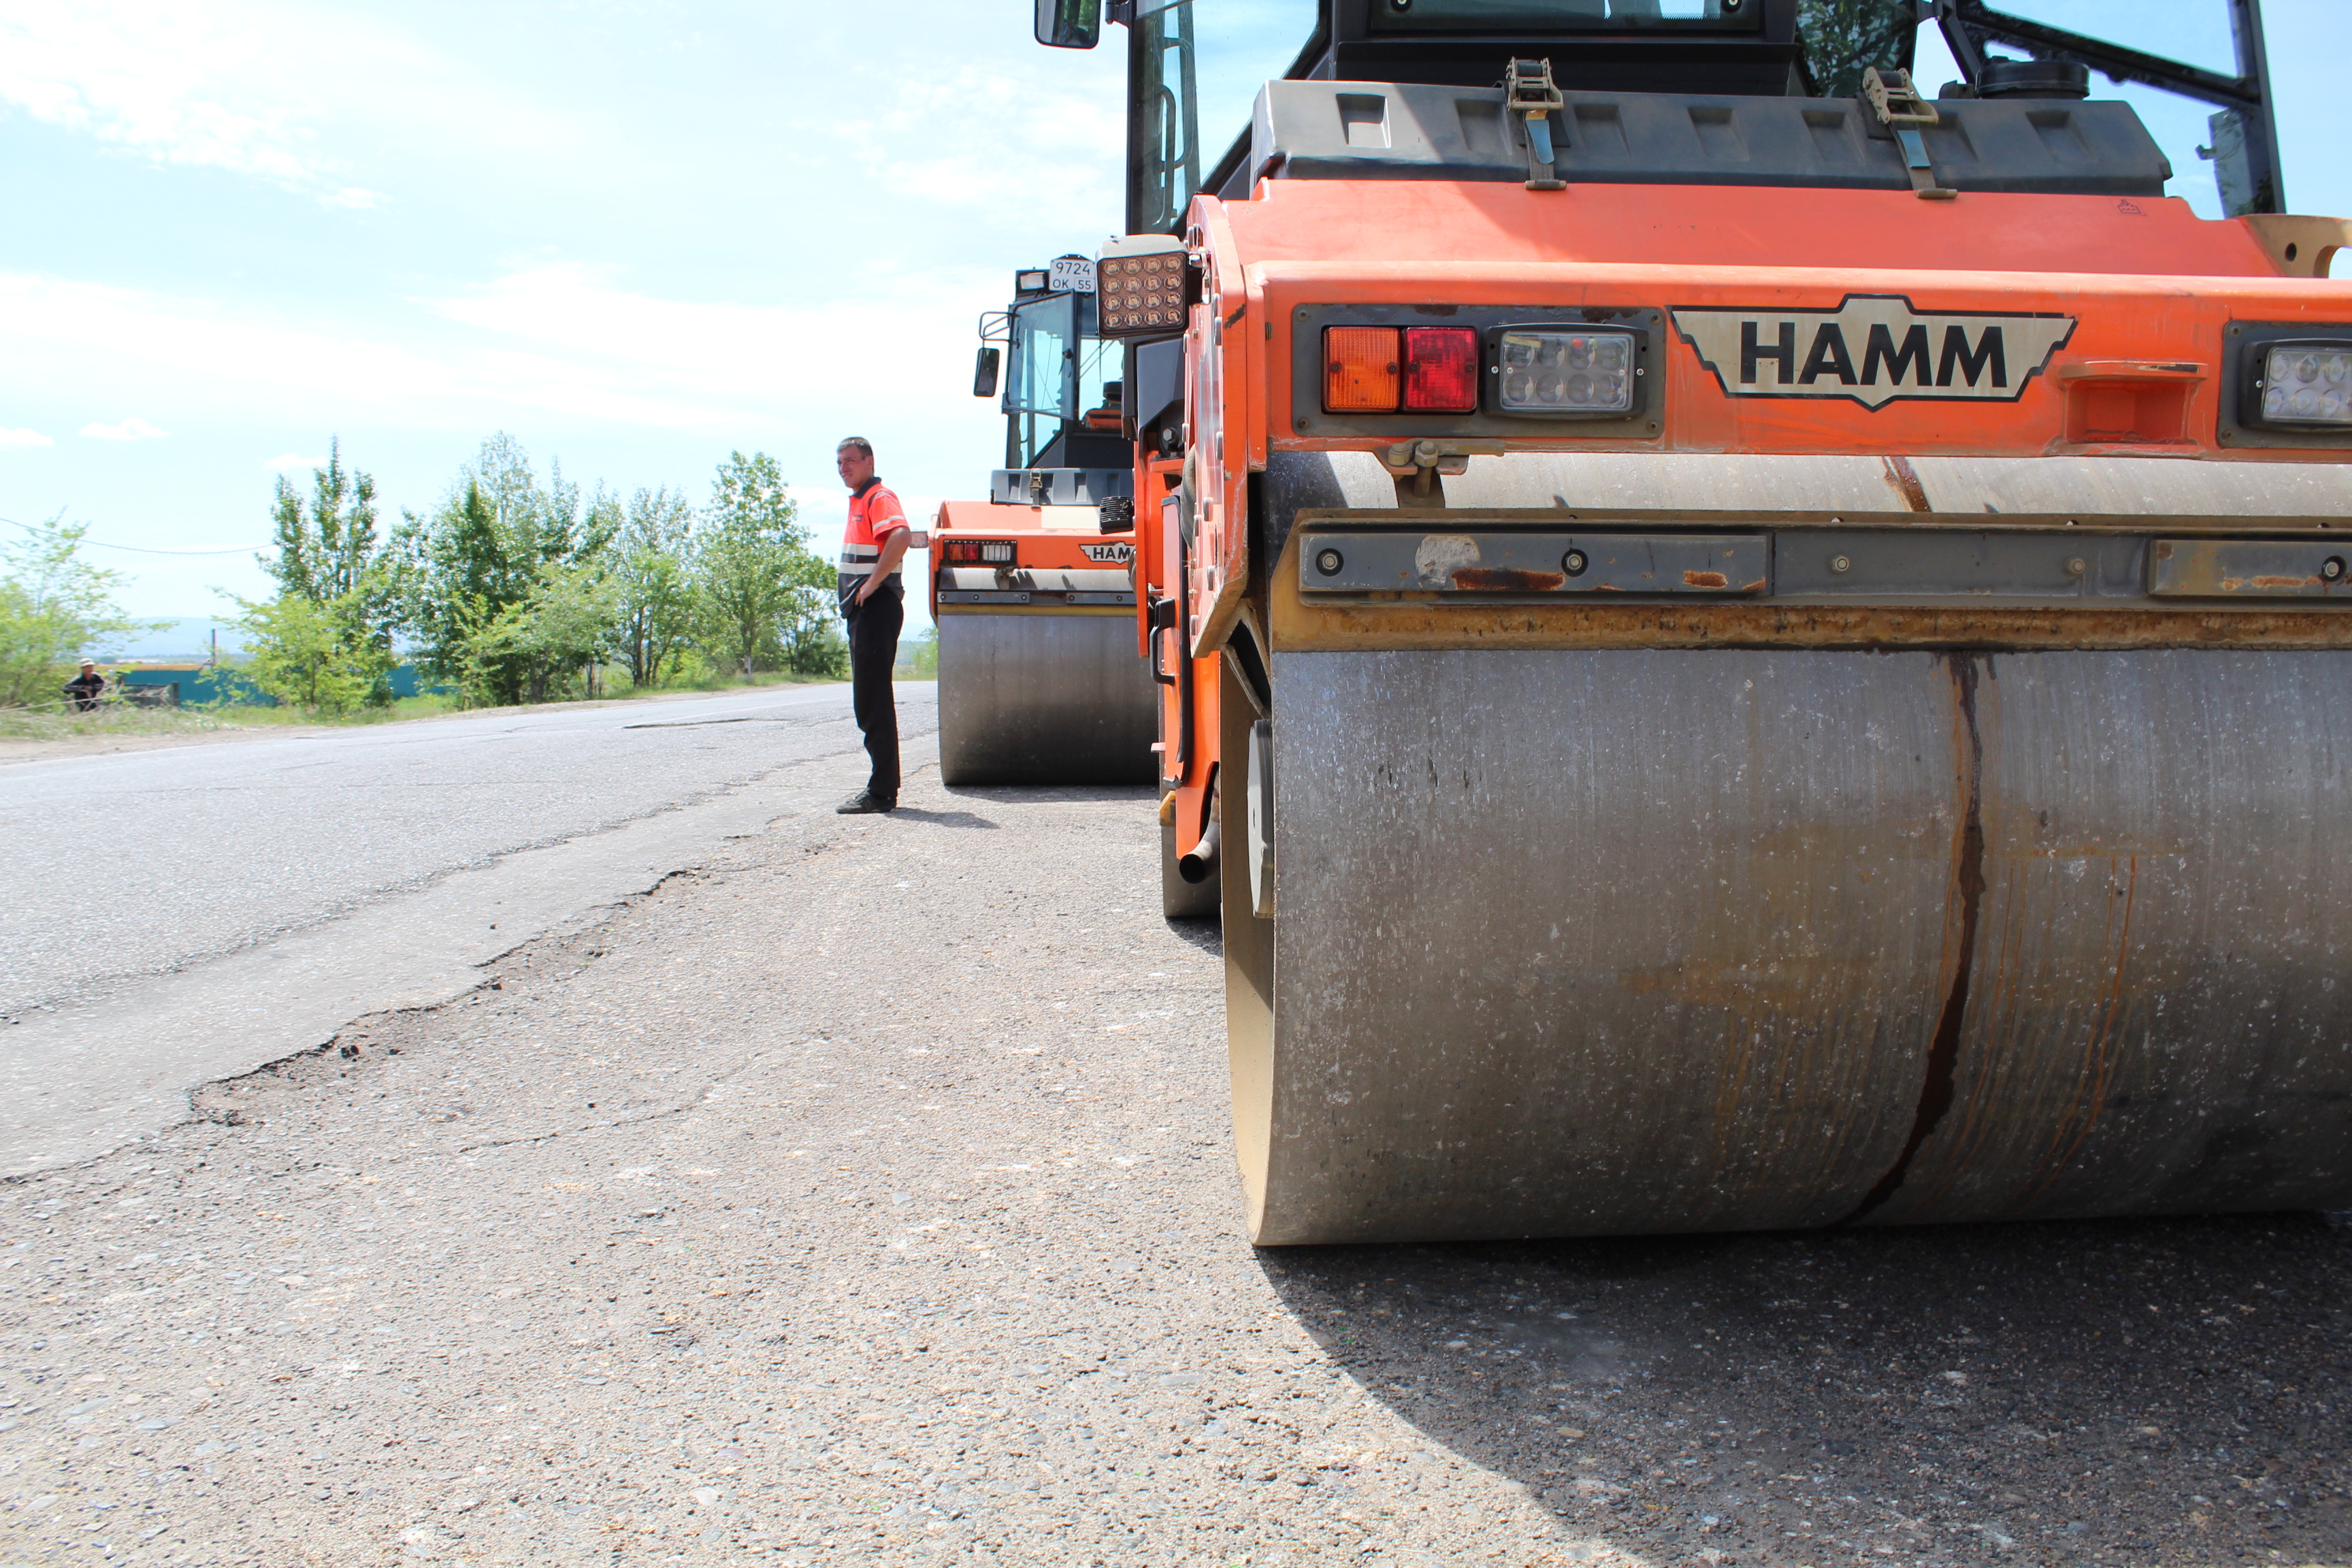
x=1383 y=370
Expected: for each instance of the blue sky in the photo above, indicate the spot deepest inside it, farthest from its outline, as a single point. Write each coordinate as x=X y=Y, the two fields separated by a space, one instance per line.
x=636 y=236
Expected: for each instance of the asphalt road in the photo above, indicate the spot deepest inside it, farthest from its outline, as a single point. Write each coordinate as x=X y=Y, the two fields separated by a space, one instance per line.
x=230 y=904
x=136 y=864
x=867 y=1197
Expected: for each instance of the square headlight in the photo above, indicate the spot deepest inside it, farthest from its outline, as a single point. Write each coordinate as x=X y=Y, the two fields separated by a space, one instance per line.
x=2306 y=383
x=1145 y=286
x=1555 y=369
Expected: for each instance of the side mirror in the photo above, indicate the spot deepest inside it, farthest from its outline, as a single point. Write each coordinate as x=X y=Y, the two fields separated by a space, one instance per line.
x=1069 y=24
x=984 y=373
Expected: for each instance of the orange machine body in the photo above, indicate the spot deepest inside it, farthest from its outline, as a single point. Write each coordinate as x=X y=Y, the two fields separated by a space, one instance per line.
x=1046 y=542
x=2147 y=292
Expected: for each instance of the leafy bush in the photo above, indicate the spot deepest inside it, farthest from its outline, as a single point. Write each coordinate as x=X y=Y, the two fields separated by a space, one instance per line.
x=323 y=657
x=55 y=610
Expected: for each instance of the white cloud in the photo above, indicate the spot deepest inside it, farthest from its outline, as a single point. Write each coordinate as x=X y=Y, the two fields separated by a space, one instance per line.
x=131 y=429
x=1017 y=135
x=148 y=78
x=560 y=340
x=756 y=361
x=271 y=89
x=10 y=438
x=160 y=341
x=293 y=463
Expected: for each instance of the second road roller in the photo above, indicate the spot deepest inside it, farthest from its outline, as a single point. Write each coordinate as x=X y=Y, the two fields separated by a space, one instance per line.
x=1041 y=679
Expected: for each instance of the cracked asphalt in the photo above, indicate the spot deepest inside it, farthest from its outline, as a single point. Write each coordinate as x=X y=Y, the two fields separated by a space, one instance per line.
x=138 y=863
x=865 y=1197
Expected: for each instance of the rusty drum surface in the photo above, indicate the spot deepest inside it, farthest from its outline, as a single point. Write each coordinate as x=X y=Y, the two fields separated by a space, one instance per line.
x=1038 y=698
x=1593 y=942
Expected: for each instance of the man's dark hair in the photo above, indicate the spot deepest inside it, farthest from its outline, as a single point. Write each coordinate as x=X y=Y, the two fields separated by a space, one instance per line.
x=863 y=446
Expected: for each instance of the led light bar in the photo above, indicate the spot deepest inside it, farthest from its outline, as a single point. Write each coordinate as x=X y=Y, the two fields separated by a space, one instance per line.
x=1576 y=371
x=1143 y=287
x=2307 y=384
x=978 y=551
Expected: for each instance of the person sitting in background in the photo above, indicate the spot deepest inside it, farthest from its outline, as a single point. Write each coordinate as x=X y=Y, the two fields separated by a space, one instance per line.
x=84 y=690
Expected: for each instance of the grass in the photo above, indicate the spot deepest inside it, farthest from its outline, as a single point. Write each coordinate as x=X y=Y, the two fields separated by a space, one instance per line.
x=253 y=716
x=40 y=724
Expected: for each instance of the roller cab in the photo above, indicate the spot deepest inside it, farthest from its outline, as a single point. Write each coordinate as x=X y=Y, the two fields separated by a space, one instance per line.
x=1776 y=641
x=1041 y=678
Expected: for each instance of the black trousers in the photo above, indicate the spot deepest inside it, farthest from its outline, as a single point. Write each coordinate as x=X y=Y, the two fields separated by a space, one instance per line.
x=874 y=628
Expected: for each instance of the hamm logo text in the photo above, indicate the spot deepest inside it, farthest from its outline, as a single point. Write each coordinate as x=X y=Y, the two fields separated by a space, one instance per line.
x=1873 y=349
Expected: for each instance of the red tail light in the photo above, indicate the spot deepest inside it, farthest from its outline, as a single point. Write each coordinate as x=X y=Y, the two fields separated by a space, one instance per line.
x=1441 y=370
x=978 y=551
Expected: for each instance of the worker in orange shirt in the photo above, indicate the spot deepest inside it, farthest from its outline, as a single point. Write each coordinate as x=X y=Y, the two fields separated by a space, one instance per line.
x=873 y=603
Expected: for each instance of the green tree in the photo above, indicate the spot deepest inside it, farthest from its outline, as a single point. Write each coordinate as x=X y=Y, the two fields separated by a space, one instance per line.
x=325 y=642
x=54 y=608
x=751 y=561
x=571 y=622
x=655 y=607
x=327 y=657
x=809 y=639
x=923 y=664
x=324 y=548
x=472 y=568
x=1843 y=38
x=566 y=624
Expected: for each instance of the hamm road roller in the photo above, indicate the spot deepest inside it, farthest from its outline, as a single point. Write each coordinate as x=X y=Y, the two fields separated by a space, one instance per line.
x=1761 y=650
x=1041 y=681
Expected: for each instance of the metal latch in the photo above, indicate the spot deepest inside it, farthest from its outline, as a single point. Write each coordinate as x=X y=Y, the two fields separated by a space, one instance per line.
x=1418 y=460
x=1902 y=110
x=1530 y=93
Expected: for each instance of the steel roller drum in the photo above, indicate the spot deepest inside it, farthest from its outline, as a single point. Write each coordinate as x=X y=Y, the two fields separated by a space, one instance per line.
x=1589 y=942
x=1586 y=942
x=1039 y=697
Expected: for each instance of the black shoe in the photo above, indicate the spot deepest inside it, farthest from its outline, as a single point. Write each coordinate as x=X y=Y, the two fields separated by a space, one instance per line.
x=863 y=804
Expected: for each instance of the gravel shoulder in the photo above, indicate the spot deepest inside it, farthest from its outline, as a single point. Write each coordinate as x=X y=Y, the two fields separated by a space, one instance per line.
x=865 y=1197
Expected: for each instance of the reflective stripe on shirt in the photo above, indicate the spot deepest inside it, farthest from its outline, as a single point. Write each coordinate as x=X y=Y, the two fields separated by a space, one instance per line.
x=874 y=515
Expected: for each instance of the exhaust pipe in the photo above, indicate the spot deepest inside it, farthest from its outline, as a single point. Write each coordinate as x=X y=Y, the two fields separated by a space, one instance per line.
x=1200 y=863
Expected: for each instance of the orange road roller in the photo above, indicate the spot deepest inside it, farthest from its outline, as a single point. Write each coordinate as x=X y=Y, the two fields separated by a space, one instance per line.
x=1750 y=646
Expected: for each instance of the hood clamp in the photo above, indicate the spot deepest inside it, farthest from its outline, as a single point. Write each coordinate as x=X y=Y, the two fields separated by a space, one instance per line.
x=1901 y=109
x=1530 y=94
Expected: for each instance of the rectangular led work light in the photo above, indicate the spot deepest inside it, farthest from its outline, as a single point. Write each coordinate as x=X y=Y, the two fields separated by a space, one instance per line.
x=1545 y=370
x=2306 y=385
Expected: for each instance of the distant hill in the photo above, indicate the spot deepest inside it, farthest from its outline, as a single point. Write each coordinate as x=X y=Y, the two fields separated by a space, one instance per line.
x=187 y=637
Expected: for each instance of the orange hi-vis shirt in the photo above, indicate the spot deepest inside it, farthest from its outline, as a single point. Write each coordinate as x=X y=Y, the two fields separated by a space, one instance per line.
x=873 y=513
